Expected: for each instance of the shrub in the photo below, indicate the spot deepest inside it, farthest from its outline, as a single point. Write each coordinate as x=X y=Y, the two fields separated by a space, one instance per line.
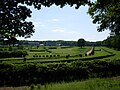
x=85 y=54
x=24 y=60
x=5 y=49
x=33 y=55
x=67 y=56
x=80 y=55
x=27 y=74
x=10 y=48
x=47 y=56
x=50 y=55
x=36 y=56
x=8 y=54
x=54 y=55
x=58 y=55
x=20 y=47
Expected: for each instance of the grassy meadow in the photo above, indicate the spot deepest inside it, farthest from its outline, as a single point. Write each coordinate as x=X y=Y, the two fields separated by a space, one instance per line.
x=55 y=53
x=91 y=84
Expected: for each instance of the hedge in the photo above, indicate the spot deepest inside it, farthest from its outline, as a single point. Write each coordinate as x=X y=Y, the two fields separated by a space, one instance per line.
x=8 y=54
x=27 y=74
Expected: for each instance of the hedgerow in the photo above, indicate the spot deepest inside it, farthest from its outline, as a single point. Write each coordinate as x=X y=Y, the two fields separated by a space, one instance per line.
x=8 y=54
x=27 y=74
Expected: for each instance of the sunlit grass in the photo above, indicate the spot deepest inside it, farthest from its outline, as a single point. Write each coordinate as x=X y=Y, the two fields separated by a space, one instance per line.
x=91 y=84
x=72 y=51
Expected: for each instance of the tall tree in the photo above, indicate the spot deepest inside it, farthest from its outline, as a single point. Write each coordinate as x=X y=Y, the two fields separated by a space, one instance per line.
x=81 y=42
x=13 y=14
x=107 y=14
x=12 y=20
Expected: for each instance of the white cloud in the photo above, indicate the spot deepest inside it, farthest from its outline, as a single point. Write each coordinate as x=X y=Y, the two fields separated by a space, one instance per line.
x=62 y=30
x=38 y=24
x=55 y=20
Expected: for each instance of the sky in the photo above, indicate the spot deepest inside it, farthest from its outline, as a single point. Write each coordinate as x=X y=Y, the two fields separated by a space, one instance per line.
x=67 y=23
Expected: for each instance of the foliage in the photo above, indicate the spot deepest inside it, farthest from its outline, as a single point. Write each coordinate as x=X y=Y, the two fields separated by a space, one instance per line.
x=113 y=42
x=91 y=84
x=81 y=42
x=12 y=19
x=27 y=74
x=106 y=14
x=13 y=15
x=8 y=54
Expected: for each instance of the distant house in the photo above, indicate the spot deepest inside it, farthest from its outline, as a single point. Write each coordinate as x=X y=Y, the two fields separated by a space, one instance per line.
x=50 y=43
x=41 y=44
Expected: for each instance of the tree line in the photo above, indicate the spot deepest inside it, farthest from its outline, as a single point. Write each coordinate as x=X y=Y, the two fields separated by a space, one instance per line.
x=112 y=42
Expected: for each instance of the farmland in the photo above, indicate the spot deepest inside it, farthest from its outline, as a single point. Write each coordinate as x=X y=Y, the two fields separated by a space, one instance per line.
x=56 y=54
x=44 y=64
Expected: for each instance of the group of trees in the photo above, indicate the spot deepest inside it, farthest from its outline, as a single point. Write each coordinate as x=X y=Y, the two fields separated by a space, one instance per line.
x=106 y=14
x=13 y=15
x=112 y=42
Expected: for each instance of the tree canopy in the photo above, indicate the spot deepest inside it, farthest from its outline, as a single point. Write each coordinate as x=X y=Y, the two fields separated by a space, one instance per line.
x=81 y=42
x=13 y=15
x=106 y=14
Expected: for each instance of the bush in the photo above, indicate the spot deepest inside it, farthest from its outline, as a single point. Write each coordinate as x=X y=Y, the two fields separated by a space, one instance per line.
x=24 y=60
x=27 y=74
x=20 y=47
x=8 y=54
x=54 y=55
x=80 y=55
x=10 y=48
x=58 y=55
x=67 y=56
x=85 y=54
x=5 y=49
x=47 y=56
x=34 y=56
x=50 y=55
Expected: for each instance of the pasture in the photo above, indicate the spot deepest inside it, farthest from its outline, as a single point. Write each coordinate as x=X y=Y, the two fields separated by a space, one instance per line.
x=44 y=54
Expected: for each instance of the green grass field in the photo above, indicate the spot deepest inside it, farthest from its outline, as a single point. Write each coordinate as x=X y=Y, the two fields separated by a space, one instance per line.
x=48 y=54
x=91 y=84
x=74 y=52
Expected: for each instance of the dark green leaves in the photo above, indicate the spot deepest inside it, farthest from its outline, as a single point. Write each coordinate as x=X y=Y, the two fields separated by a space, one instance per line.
x=106 y=14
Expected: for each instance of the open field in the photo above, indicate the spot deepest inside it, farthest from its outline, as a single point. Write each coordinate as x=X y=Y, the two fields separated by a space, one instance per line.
x=71 y=64
x=91 y=84
x=62 y=54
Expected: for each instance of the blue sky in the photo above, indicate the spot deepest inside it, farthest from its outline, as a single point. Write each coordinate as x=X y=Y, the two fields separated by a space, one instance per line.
x=65 y=23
